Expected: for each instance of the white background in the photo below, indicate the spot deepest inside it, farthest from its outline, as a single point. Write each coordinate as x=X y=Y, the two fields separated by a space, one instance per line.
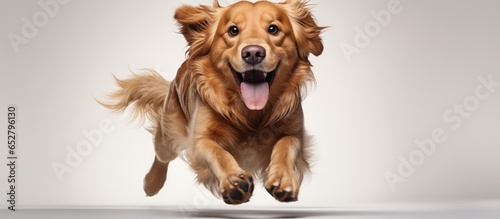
x=364 y=113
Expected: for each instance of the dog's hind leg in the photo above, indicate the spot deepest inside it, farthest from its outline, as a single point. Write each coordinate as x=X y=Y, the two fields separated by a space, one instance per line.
x=169 y=140
x=155 y=178
x=165 y=151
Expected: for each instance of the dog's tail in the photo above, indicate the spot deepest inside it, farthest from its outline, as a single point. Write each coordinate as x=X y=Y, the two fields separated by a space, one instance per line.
x=144 y=92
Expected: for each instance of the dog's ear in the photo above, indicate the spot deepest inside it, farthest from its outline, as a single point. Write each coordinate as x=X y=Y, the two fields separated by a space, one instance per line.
x=306 y=31
x=195 y=24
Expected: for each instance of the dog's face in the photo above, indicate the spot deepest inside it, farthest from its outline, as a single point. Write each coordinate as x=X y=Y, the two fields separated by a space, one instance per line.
x=258 y=50
x=254 y=38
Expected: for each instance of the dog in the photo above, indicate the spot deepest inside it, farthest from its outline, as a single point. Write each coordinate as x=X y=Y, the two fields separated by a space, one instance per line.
x=234 y=108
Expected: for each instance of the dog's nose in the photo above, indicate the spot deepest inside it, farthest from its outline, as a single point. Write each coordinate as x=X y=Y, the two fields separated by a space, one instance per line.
x=253 y=54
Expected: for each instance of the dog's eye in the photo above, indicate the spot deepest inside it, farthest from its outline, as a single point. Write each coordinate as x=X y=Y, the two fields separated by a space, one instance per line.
x=273 y=29
x=233 y=31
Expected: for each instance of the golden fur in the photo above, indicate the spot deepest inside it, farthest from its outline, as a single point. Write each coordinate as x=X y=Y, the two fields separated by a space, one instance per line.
x=202 y=111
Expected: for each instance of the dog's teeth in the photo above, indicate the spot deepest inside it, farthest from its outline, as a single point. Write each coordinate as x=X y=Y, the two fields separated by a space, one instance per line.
x=265 y=75
x=243 y=76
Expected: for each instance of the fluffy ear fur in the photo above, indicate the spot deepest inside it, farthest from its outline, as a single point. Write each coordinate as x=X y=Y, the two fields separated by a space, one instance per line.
x=306 y=31
x=195 y=24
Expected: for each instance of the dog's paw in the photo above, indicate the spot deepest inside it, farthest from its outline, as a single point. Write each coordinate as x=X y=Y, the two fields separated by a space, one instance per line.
x=282 y=185
x=237 y=188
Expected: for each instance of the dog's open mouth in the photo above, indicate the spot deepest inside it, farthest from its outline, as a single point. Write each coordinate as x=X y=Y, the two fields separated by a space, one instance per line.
x=254 y=86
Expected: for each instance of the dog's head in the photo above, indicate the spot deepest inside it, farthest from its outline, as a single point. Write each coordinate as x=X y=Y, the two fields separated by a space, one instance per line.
x=258 y=50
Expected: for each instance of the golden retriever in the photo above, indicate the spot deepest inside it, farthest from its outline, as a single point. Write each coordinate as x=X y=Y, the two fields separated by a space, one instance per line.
x=234 y=108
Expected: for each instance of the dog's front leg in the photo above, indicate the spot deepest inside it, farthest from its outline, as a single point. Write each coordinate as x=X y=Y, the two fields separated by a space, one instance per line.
x=235 y=185
x=215 y=166
x=283 y=176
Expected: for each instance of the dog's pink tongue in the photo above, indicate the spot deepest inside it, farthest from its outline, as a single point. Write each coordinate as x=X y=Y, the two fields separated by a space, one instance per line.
x=255 y=95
